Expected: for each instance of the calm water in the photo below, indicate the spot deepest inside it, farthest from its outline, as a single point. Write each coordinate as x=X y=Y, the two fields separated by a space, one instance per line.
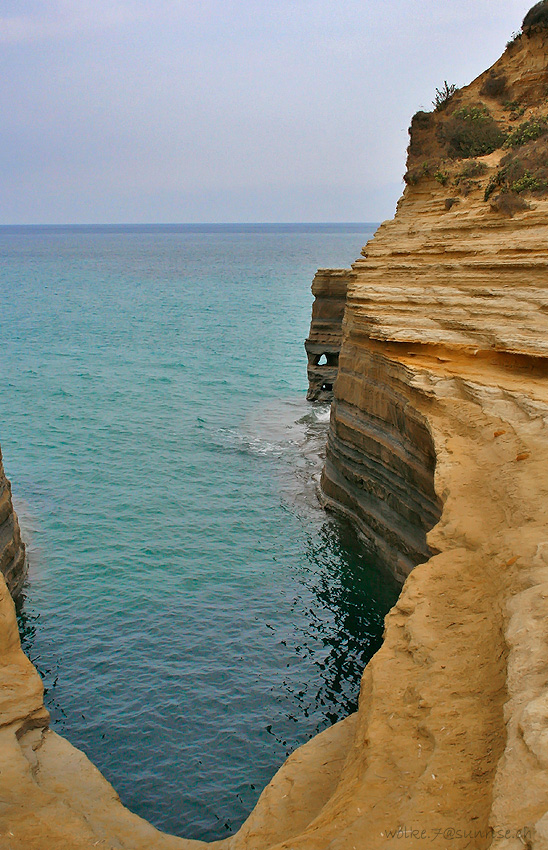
x=194 y=614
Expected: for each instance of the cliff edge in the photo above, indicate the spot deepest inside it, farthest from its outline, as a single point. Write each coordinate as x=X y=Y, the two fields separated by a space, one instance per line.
x=12 y=548
x=438 y=451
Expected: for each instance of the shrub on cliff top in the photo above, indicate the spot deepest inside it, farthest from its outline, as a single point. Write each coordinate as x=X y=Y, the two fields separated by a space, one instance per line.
x=472 y=131
x=515 y=39
x=444 y=95
x=420 y=119
x=536 y=17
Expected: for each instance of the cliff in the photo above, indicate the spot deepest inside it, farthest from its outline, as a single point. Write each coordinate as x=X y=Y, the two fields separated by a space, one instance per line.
x=457 y=277
x=438 y=450
x=12 y=549
x=324 y=340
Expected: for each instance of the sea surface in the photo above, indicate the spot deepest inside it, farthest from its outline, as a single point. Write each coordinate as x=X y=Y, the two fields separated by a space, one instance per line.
x=194 y=614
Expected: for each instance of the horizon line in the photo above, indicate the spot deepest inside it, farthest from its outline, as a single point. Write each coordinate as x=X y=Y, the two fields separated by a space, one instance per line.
x=187 y=223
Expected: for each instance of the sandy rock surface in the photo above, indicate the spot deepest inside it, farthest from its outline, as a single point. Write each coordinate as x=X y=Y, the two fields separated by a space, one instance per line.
x=12 y=548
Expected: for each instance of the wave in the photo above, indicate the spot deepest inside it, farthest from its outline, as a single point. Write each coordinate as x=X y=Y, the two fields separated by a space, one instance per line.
x=292 y=433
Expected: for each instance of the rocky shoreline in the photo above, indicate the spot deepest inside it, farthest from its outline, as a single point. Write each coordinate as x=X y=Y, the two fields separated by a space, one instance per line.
x=438 y=451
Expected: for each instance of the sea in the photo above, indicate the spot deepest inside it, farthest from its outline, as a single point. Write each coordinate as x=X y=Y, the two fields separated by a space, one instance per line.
x=194 y=614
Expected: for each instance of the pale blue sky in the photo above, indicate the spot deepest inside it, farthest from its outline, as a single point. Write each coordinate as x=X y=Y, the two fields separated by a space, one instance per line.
x=224 y=111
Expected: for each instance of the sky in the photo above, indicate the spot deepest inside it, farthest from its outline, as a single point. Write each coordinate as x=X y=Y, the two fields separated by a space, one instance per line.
x=161 y=111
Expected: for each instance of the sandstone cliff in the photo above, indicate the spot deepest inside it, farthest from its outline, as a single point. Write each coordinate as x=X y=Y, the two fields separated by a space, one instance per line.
x=12 y=549
x=439 y=451
x=324 y=340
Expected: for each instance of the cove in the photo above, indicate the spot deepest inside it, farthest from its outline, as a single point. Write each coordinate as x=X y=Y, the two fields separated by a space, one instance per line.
x=194 y=614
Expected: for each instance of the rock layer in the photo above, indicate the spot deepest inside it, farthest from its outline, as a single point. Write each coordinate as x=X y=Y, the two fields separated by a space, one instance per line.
x=12 y=548
x=380 y=462
x=324 y=340
x=439 y=450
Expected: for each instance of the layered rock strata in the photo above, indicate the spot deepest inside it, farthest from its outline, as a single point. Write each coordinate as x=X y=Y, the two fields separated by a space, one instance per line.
x=12 y=548
x=440 y=418
x=380 y=462
x=324 y=340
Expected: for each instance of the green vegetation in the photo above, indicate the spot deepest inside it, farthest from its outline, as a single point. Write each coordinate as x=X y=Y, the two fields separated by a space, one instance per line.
x=516 y=37
x=515 y=109
x=522 y=171
x=472 y=131
x=536 y=17
x=528 y=183
x=421 y=119
x=442 y=177
x=494 y=86
x=491 y=186
x=467 y=178
x=471 y=169
x=412 y=177
x=444 y=95
x=528 y=131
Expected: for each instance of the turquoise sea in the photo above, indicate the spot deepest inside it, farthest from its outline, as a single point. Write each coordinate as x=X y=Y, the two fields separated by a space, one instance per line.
x=193 y=612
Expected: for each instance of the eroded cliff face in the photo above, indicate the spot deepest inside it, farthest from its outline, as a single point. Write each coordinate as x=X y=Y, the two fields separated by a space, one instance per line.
x=458 y=276
x=12 y=549
x=442 y=380
x=324 y=340
x=439 y=451
x=380 y=462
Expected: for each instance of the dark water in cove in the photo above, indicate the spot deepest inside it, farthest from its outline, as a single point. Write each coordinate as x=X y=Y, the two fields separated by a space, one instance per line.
x=194 y=614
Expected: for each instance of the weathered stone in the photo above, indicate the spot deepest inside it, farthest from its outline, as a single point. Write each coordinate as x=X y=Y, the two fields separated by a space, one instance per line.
x=325 y=337
x=12 y=548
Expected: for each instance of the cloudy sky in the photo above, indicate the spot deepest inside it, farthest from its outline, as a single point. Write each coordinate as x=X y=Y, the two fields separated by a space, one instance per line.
x=224 y=110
